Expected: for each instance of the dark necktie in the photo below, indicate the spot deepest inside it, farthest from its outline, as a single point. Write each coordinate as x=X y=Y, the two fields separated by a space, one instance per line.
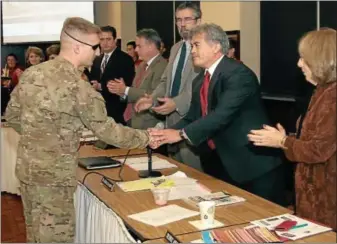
x=204 y=101
x=177 y=77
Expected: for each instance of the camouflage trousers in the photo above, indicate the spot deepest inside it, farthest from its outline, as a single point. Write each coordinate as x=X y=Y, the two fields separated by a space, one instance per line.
x=49 y=213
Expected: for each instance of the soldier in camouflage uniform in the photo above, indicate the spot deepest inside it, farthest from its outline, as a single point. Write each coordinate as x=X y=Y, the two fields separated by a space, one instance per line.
x=49 y=108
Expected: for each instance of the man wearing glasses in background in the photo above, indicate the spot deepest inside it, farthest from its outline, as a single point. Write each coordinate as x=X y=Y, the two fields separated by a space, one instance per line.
x=49 y=107
x=172 y=97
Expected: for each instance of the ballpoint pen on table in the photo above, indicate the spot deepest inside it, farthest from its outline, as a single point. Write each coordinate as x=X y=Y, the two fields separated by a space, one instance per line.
x=298 y=226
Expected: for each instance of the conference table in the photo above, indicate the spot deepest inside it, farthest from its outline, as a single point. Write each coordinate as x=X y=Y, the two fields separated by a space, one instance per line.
x=124 y=204
x=120 y=204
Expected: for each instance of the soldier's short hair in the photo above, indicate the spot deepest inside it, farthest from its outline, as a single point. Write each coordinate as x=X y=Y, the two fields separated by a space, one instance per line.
x=151 y=36
x=80 y=25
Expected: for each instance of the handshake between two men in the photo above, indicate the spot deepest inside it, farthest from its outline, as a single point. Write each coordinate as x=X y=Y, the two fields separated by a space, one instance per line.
x=163 y=106
x=159 y=137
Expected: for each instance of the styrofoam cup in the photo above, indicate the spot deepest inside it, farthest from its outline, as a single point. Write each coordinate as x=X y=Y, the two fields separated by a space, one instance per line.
x=207 y=212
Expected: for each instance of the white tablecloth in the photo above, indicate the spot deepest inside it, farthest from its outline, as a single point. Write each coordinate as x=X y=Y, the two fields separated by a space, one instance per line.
x=9 y=144
x=95 y=222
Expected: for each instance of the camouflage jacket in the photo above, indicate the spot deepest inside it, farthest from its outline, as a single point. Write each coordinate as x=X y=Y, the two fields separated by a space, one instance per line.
x=50 y=107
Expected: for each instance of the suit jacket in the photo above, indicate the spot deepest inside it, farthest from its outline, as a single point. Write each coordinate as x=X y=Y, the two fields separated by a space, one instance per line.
x=183 y=100
x=234 y=108
x=120 y=65
x=150 y=81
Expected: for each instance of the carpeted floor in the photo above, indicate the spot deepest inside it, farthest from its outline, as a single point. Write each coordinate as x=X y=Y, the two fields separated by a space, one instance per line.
x=12 y=220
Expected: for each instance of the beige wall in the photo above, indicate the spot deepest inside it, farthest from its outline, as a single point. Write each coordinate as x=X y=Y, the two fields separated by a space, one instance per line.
x=250 y=35
x=128 y=22
x=225 y=14
x=121 y=15
x=243 y=16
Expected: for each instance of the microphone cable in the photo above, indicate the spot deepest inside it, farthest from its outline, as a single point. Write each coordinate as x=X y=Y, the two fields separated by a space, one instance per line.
x=119 y=173
x=122 y=166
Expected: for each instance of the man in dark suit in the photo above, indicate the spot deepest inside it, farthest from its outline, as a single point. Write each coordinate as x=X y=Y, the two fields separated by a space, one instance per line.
x=225 y=106
x=112 y=64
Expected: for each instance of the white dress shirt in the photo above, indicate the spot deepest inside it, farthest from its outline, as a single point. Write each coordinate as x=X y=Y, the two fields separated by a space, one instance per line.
x=213 y=67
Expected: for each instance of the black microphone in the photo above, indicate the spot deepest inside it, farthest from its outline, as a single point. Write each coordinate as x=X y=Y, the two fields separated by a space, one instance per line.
x=149 y=172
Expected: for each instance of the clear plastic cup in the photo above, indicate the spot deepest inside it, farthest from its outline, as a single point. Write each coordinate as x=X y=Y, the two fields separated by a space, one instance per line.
x=160 y=195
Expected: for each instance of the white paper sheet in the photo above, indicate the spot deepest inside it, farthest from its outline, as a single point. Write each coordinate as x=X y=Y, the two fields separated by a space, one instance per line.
x=190 y=190
x=163 y=215
x=141 y=163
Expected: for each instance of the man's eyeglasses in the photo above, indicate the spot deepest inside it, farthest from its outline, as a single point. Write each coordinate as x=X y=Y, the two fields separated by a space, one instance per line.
x=94 y=47
x=186 y=20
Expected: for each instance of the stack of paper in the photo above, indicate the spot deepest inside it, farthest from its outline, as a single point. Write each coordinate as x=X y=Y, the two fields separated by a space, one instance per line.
x=220 y=198
x=181 y=186
x=163 y=215
x=141 y=163
x=302 y=229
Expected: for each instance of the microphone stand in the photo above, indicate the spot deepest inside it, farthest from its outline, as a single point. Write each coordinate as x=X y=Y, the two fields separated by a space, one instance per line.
x=149 y=173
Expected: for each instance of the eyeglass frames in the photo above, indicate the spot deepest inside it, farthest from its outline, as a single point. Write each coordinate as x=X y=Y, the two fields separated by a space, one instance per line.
x=186 y=20
x=94 y=47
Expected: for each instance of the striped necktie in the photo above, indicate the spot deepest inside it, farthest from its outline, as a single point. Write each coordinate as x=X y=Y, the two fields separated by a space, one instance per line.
x=104 y=62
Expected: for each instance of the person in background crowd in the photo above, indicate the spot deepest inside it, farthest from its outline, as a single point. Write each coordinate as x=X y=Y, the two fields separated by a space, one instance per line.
x=10 y=75
x=162 y=49
x=11 y=70
x=112 y=64
x=34 y=56
x=148 y=76
x=131 y=50
x=52 y=51
x=232 y=49
x=313 y=148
